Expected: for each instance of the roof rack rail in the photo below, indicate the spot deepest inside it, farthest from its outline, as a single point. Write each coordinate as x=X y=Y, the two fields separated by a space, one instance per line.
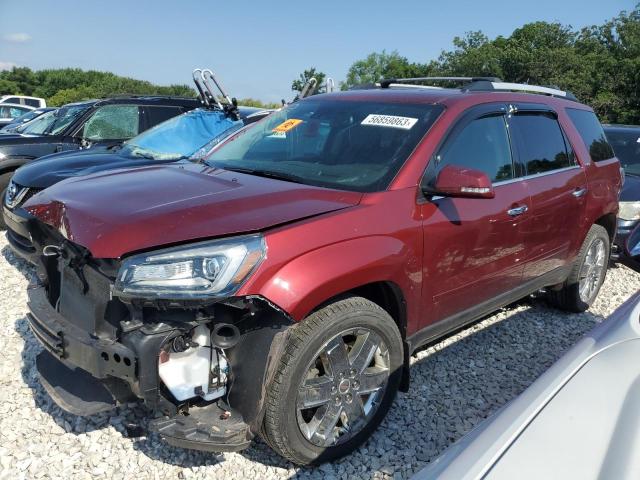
x=520 y=87
x=386 y=82
x=481 y=84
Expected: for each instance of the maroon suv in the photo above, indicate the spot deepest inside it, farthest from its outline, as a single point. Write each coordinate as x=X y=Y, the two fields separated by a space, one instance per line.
x=280 y=287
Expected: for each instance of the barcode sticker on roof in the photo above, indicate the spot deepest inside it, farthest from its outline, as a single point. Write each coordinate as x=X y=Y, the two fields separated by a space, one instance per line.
x=392 y=121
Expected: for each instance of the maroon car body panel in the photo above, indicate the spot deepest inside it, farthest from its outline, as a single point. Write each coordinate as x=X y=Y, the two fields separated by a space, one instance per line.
x=139 y=209
x=441 y=255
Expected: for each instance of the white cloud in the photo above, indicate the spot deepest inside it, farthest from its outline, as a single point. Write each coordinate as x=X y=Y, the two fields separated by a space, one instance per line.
x=7 y=65
x=17 y=37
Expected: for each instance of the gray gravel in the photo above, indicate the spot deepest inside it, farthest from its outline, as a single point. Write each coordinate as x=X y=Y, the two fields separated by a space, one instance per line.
x=455 y=384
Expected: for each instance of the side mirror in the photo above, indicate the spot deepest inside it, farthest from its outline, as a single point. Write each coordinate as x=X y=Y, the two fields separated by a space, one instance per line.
x=456 y=181
x=631 y=256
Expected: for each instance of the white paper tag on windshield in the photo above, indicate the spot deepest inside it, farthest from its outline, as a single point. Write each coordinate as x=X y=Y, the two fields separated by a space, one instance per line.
x=392 y=121
x=638 y=141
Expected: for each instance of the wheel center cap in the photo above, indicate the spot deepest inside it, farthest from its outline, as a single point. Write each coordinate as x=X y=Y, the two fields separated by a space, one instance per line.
x=344 y=386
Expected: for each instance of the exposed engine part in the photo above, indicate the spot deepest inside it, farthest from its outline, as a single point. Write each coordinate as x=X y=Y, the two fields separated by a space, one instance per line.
x=199 y=370
x=225 y=335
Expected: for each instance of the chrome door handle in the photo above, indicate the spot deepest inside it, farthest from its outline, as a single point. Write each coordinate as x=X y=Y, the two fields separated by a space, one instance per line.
x=579 y=192
x=514 y=212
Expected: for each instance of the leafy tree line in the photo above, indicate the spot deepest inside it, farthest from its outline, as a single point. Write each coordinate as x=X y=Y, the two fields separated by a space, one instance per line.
x=599 y=64
x=67 y=85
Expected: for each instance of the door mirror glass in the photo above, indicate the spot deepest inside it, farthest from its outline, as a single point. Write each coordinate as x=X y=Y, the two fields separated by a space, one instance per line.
x=632 y=250
x=457 y=181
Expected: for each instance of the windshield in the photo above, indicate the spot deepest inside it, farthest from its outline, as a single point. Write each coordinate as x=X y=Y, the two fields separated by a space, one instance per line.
x=627 y=148
x=190 y=135
x=53 y=122
x=349 y=145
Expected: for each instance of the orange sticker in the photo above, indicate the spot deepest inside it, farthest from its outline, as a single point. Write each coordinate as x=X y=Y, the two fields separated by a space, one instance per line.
x=287 y=125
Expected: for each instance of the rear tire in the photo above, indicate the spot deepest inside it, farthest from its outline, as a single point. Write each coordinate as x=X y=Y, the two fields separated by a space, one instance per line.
x=4 y=183
x=587 y=274
x=335 y=381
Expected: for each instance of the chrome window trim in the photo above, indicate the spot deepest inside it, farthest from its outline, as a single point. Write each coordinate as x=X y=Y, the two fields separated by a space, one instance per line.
x=536 y=175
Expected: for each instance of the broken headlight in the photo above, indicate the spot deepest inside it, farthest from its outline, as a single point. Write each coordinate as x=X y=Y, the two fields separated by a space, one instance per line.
x=201 y=270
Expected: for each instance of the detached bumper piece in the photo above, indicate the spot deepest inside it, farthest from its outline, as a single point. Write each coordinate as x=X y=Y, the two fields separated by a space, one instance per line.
x=209 y=428
x=73 y=389
x=70 y=343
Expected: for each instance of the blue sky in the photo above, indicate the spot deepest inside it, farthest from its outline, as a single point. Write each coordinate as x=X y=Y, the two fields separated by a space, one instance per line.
x=258 y=48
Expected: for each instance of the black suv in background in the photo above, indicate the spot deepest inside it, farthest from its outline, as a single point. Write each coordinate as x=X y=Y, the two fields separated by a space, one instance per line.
x=85 y=124
x=625 y=140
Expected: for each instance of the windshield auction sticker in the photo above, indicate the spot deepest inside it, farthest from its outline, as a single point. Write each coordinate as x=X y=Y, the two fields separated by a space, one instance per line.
x=392 y=121
x=287 y=125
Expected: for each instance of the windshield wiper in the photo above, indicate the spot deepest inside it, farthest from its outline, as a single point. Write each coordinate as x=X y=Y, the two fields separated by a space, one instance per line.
x=287 y=177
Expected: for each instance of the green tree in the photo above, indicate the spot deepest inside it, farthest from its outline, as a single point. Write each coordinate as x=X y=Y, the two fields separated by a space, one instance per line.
x=59 y=86
x=599 y=64
x=384 y=65
x=252 y=102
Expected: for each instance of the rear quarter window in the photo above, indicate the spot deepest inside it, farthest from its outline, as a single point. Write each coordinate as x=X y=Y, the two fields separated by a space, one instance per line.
x=592 y=134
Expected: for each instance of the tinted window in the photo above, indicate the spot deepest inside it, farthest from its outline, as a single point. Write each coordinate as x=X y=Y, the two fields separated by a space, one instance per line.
x=12 y=100
x=540 y=142
x=54 y=122
x=482 y=145
x=32 y=102
x=626 y=145
x=112 y=122
x=592 y=134
x=158 y=115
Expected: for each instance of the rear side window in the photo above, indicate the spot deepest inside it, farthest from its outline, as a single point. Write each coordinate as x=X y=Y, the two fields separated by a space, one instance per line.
x=156 y=114
x=540 y=143
x=32 y=102
x=482 y=145
x=592 y=134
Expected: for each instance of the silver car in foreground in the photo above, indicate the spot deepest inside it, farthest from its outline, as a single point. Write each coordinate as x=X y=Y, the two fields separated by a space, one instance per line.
x=579 y=420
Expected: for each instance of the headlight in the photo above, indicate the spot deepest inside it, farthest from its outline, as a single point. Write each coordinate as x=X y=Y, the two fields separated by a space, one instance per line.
x=202 y=270
x=14 y=195
x=629 y=211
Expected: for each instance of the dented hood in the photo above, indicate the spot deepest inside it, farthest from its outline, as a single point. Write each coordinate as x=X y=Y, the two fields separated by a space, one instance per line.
x=118 y=212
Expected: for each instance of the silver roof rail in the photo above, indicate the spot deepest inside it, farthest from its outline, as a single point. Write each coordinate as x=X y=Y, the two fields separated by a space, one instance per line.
x=308 y=88
x=331 y=85
x=478 y=84
x=523 y=87
x=205 y=81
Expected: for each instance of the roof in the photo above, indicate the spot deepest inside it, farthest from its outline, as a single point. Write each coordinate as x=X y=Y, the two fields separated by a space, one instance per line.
x=141 y=100
x=444 y=96
x=620 y=128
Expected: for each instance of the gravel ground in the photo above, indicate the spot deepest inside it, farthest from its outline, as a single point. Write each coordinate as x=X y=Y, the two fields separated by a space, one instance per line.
x=455 y=384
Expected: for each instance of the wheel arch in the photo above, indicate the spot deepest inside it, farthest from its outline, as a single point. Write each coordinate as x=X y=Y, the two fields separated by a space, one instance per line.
x=609 y=222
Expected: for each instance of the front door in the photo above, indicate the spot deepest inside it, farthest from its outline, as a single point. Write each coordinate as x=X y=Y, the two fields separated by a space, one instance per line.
x=473 y=248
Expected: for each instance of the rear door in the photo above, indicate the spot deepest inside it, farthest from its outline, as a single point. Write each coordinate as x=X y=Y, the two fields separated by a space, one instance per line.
x=473 y=247
x=556 y=182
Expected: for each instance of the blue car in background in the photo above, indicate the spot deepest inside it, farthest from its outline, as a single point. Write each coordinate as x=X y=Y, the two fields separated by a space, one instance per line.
x=186 y=137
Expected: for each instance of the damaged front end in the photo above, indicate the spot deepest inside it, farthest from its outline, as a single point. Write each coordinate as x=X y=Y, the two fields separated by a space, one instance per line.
x=163 y=328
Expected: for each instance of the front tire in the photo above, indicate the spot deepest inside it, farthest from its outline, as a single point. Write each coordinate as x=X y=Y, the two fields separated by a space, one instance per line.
x=335 y=381
x=587 y=274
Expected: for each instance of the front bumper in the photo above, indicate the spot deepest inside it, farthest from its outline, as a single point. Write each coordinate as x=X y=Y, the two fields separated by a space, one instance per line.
x=85 y=375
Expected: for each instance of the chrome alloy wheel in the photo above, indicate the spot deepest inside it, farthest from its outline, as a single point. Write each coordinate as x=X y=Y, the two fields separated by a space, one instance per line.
x=343 y=387
x=592 y=270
